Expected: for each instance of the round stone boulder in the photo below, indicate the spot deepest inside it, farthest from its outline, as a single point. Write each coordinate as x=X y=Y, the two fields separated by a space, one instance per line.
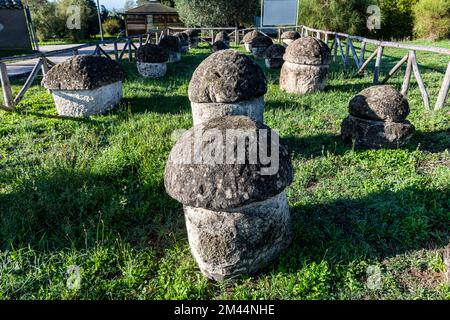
x=172 y=46
x=248 y=39
x=151 y=61
x=85 y=85
x=274 y=56
x=184 y=41
x=194 y=39
x=288 y=37
x=364 y=133
x=236 y=209
x=259 y=46
x=306 y=66
x=219 y=45
x=224 y=37
x=227 y=83
x=380 y=103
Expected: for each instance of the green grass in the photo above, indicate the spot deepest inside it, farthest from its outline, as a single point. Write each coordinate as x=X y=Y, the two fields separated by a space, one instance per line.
x=90 y=193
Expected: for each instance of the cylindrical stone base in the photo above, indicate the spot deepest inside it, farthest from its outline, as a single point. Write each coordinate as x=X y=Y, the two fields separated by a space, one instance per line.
x=376 y=134
x=254 y=109
x=174 y=57
x=85 y=103
x=274 y=63
x=259 y=52
x=240 y=241
x=152 y=70
x=303 y=79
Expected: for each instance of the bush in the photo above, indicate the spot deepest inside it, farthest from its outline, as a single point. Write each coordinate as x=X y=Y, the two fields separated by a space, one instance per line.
x=347 y=16
x=432 y=19
x=396 y=19
x=111 y=26
x=217 y=13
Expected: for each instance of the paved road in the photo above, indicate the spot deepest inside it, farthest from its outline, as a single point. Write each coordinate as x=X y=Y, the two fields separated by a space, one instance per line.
x=24 y=67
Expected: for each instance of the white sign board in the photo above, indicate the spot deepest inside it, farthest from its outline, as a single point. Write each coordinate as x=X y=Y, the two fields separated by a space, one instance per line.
x=280 y=12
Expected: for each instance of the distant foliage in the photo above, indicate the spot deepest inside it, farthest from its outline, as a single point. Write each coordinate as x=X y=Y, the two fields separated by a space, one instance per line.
x=217 y=13
x=397 y=20
x=347 y=16
x=432 y=19
x=50 y=19
x=112 y=26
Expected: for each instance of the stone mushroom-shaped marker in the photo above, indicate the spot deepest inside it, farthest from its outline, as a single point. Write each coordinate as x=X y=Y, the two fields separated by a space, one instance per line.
x=237 y=215
x=193 y=35
x=248 y=39
x=378 y=119
x=219 y=45
x=224 y=37
x=260 y=45
x=289 y=36
x=274 y=56
x=184 y=41
x=306 y=66
x=151 y=61
x=85 y=85
x=227 y=83
x=172 y=46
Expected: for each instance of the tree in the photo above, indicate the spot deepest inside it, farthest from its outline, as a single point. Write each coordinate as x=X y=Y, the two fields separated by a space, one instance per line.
x=217 y=13
x=129 y=4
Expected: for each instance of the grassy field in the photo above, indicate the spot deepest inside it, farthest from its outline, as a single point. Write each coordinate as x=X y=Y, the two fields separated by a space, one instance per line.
x=84 y=214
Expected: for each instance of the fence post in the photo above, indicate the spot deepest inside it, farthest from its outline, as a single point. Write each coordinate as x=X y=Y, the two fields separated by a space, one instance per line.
x=444 y=90
x=376 y=73
x=6 y=86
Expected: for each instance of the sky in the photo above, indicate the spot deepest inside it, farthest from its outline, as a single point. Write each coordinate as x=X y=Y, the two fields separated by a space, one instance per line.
x=112 y=4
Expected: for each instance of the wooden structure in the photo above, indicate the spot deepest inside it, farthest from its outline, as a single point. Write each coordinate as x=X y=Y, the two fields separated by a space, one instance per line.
x=153 y=15
x=15 y=26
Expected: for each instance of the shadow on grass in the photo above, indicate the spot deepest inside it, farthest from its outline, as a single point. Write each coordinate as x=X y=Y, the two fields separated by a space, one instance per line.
x=380 y=225
x=173 y=104
x=68 y=209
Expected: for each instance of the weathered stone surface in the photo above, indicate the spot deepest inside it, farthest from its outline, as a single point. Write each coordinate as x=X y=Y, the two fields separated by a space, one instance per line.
x=193 y=35
x=83 y=73
x=170 y=44
x=290 y=35
x=380 y=103
x=224 y=37
x=224 y=183
x=376 y=134
x=152 y=70
x=260 y=45
x=303 y=79
x=254 y=109
x=227 y=76
x=219 y=45
x=249 y=36
x=85 y=103
x=184 y=41
x=308 y=51
x=274 y=63
x=241 y=241
x=151 y=53
x=275 y=51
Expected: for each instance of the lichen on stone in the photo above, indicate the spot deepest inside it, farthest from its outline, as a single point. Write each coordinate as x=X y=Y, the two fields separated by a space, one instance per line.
x=170 y=44
x=227 y=76
x=308 y=51
x=83 y=73
x=151 y=53
x=275 y=51
x=290 y=35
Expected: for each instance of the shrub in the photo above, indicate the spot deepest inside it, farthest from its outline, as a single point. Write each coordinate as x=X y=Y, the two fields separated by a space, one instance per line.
x=347 y=16
x=396 y=19
x=432 y=19
x=111 y=26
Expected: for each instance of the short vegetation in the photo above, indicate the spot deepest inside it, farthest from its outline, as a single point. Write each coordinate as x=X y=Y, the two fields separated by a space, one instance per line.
x=84 y=213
